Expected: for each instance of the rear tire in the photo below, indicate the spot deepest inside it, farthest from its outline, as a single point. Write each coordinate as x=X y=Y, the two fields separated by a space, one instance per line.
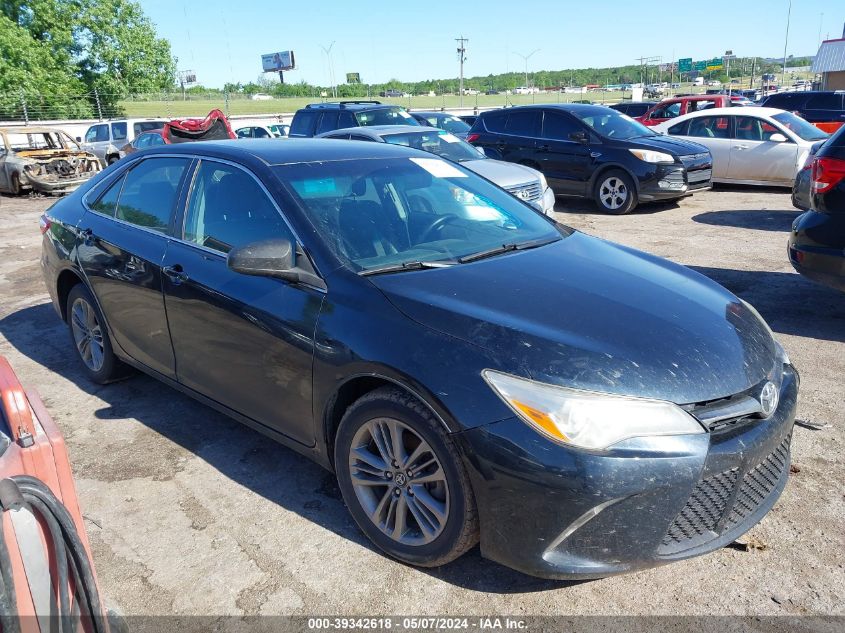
x=111 y=160
x=424 y=517
x=614 y=192
x=90 y=338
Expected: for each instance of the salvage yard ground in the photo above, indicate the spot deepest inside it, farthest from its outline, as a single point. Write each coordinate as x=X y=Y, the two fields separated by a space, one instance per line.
x=189 y=512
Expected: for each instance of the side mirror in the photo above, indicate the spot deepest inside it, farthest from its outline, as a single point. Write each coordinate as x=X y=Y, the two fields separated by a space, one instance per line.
x=777 y=138
x=579 y=137
x=78 y=139
x=491 y=152
x=272 y=258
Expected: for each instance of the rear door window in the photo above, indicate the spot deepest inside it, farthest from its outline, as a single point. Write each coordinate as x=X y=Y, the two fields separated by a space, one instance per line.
x=150 y=191
x=118 y=131
x=346 y=119
x=710 y=127
x=523 y=123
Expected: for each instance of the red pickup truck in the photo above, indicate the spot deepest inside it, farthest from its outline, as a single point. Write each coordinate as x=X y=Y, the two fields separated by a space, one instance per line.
x=676 y=106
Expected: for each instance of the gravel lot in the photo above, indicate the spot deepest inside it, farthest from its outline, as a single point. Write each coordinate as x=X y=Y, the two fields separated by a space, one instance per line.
x=191 y=513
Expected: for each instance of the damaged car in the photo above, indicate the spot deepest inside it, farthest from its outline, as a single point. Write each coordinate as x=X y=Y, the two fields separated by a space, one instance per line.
x=43 y=160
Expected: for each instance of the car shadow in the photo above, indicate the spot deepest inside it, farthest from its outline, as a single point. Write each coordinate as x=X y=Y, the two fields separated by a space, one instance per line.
x=762 y=220
x=790 y=303
x=583 y=206
x=248 y=458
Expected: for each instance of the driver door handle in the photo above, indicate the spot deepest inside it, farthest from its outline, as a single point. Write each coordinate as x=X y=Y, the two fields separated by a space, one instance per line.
x=740 y=146
x=175 y=273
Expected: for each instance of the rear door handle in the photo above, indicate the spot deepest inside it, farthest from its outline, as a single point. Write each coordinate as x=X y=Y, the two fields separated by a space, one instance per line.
x=175 y=273
x=740 y=146
x=543 y=148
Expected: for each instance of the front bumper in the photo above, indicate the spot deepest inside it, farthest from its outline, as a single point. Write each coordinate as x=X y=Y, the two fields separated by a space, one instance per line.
x=675 y=181
x=555 y=512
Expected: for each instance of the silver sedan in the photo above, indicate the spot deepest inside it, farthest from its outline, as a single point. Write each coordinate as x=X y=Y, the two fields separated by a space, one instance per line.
x=750 y=146
x=525 y=183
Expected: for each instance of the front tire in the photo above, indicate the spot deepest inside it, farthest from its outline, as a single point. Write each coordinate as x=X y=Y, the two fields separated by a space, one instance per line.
x=90 y=337
x=15 y=184
x=614 y=192
x=403 y=480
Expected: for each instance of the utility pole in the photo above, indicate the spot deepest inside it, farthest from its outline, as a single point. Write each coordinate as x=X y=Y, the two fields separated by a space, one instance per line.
x=785 y=42
x=461 y=59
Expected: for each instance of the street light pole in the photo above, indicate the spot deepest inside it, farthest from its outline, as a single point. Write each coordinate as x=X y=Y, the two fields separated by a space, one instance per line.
x=328 y=52
x=461 y=59
x=526 y=58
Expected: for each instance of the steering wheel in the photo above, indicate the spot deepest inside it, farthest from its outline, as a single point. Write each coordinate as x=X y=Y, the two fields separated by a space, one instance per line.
x=436 y=225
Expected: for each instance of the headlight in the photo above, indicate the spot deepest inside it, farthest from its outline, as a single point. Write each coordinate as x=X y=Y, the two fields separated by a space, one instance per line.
x=588 y=419
x=543 y=184
x=650 y=156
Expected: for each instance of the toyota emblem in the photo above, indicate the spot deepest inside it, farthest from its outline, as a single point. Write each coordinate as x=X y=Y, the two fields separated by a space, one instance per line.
x=769 y=398
x=523 y=194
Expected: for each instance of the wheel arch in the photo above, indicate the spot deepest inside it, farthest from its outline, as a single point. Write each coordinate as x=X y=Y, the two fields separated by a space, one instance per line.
x=65 y=282
x=610 y=167
x=357 y=386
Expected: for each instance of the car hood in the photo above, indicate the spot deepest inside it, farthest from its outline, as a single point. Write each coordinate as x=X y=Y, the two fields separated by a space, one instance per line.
x=593 y=315
x=502 y=173
x=671 y=144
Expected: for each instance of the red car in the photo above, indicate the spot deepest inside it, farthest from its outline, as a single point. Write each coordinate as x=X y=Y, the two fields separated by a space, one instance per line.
x=674 y=107
x=213 y=127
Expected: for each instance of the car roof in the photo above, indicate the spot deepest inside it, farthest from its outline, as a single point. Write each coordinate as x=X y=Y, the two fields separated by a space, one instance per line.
x=349 y=105
x=583 y=108
x=733 y=111
x=433 y=112
x=30 y=129
x=296 y=150
x=381 y=130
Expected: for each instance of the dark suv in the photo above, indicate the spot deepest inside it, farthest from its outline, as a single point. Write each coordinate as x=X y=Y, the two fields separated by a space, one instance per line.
x=318 y=118
x=595 y=152
x=823 y=108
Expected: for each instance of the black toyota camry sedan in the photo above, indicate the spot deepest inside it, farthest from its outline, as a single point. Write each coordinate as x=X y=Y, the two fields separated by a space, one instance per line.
x=470 y=369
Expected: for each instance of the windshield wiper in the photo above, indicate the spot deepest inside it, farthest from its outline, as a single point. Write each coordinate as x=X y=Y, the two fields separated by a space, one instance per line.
x=506 y=248
x=413 y=265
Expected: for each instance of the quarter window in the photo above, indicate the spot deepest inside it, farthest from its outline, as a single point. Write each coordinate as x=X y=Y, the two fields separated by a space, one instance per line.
x=679 y=129
x=150 y=191
x=495 y=122
x=668 y=111
x=228 y=208
x=107 y=202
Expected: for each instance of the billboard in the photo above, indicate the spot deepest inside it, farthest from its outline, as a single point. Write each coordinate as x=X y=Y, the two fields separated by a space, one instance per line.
x=353 y=78
x=277 y=62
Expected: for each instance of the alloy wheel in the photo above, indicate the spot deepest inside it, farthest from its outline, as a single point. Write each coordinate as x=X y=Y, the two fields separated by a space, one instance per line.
x=87 y=334
x=399 y=481
x=613 y=193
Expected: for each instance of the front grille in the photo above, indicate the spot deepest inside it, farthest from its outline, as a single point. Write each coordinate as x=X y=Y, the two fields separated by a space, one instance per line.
x=689 y=159
x=527 y=191
x=699 y=175
x=759 y=483
x=716 y=505
x=705 y=508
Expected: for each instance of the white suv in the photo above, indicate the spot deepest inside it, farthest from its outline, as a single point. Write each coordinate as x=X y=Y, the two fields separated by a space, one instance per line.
x=106 y=139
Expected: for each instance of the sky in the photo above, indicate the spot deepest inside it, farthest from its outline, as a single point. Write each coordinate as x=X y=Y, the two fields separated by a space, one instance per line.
x=383 y=39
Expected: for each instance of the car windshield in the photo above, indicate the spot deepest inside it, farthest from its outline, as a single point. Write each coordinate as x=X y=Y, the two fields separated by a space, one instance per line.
x=612 y=124
x=799 y=126
x=386 y=213
x=37 y=140
x=385 y=116
x=451 y=124
x=441 y=143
